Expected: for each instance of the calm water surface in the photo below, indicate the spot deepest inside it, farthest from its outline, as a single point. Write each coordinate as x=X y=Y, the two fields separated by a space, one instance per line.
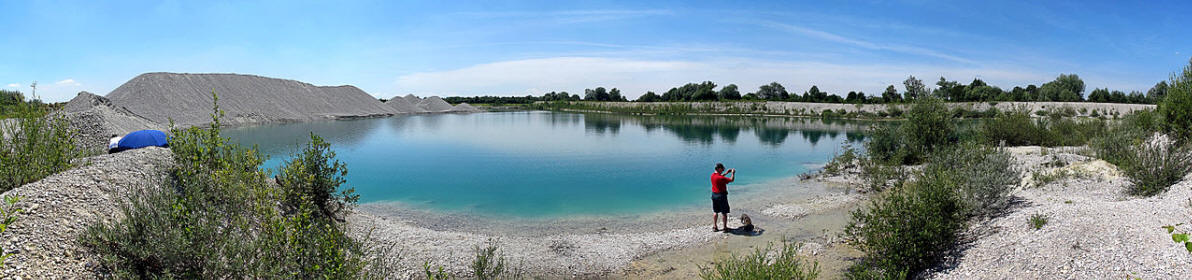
x=547 y=164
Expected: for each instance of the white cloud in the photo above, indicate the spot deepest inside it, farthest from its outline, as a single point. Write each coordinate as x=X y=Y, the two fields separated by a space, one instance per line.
x=14 y=85
x=68 y=82
x=634 y=77
x=862 y=43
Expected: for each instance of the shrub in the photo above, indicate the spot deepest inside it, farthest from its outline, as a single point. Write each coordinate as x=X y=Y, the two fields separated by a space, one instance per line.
x=928 y=125
x=1156 y=164
x=785 y=263
x=878 y=176
x=1037 y=221
x=8 y=216
x=1176 y=108
x=34 y=145
x=311 y=179
x=845 y=160
x=217 y=217
x=885 y=144
x=909 y=229
x=487 y=264
x=1013 y=128
x=985 y=176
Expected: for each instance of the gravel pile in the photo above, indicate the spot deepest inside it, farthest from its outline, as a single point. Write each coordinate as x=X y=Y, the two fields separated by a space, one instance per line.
x=435 y=104
x=96 y=119
x=186 y=98
x=404 y=106
x=1093 y=231
x=465 y=107
x=60 y=207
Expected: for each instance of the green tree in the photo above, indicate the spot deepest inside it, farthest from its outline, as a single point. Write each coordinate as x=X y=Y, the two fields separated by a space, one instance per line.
x=1176 y=107
x=650 y=96
x=891 y=95
x=914 y=88
x=1157 y=93
x=729 y=92
x=772 y=91
x=615 y=95
x=1066 y=87
x=1099 y=95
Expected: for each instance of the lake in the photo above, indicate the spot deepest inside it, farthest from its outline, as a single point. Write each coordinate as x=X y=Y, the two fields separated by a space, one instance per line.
x=535 y=164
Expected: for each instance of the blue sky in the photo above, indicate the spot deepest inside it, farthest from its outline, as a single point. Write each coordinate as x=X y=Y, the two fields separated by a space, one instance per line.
x=453 y=48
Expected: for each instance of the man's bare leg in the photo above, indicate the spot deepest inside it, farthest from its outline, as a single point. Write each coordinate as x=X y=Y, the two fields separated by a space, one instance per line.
x=714 y=216
x=724 y=218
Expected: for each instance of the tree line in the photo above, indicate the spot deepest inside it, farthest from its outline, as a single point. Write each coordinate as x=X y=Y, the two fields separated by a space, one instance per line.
x=1065 y=88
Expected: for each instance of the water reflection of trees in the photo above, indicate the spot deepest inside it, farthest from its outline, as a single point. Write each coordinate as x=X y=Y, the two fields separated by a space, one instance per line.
x=707 y=129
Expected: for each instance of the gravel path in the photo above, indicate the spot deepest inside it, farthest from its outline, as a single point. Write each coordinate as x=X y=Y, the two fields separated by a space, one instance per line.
x=60 y=207
x=1093 y=229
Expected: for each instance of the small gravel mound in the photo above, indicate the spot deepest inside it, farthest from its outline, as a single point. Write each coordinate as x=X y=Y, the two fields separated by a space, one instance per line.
x=404 y=106
x=465 y=107
x=435 y=104
x=96 y=119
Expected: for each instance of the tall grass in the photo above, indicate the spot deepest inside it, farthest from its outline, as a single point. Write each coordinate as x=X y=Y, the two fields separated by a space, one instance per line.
x=783 y=263
x=34 y=144
x=218 y=217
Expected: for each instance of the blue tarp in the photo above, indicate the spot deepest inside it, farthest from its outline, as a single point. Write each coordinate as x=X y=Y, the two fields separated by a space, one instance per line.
x=142 y=138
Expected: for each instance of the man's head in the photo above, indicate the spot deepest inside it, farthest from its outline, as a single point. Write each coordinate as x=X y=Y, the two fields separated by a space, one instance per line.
x=719 y=168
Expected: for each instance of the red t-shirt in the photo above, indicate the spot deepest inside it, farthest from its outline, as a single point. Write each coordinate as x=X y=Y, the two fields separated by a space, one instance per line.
x=720 y=183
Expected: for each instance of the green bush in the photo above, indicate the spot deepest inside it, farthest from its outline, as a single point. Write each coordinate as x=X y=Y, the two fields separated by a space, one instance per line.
x=1012 y=128
x=986 y=176
x=34 y=145
x=487 y=264
x=885 y=144
x=1176 y=108
x=1156 y=164
x=785 y=263
x=311 y=179
x=1017 y=128
x=217 y=217
x=8 y=216
x=908 y=229
x=928 y=126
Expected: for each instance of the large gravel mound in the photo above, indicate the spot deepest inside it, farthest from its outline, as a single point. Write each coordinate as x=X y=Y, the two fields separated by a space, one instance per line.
x=44 y=238
x=404 y=106
x=186 y=98
x=96 y=119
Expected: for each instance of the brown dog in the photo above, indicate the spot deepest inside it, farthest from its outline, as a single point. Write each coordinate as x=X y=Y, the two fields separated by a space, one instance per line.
x=747 y=224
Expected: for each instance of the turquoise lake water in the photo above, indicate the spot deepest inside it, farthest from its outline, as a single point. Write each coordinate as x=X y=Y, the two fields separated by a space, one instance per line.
x=550 y=164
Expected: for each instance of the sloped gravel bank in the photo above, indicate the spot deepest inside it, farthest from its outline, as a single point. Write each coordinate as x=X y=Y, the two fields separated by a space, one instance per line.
x=61 y=206
x=1093 y=231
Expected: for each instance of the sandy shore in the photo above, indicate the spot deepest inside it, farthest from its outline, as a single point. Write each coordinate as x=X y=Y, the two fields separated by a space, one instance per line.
x=608 y=247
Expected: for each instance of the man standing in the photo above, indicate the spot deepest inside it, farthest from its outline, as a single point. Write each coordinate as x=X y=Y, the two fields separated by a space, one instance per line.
x=720 y=195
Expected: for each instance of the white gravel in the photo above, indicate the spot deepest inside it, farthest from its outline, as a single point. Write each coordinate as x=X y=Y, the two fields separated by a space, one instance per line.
x=1093 y=230
x=61 y=206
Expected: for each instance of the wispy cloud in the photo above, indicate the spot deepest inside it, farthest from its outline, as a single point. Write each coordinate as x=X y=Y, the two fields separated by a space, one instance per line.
x=827 y=36
x=68 y=82
x=14 y=85
x=568 y=16
x=634 y=77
